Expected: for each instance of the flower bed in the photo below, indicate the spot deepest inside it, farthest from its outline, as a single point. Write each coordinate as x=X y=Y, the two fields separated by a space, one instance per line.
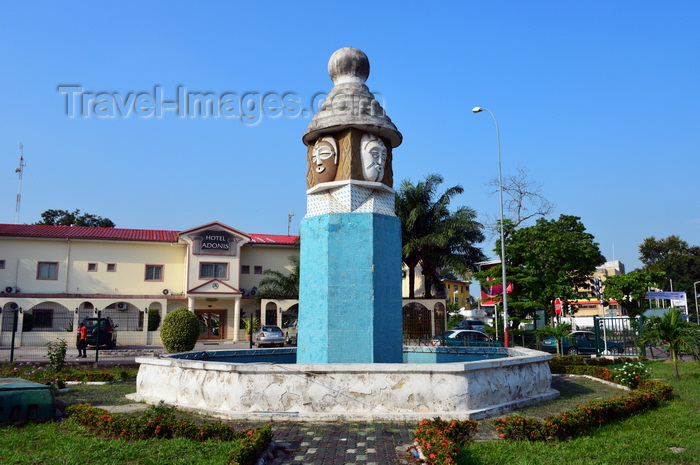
x=33 y=372
x=160 y=423
x=438 y=439
x=46 y=374
x=581 y=419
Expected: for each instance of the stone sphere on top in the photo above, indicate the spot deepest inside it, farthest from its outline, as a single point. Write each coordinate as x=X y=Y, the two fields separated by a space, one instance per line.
x=349 y=64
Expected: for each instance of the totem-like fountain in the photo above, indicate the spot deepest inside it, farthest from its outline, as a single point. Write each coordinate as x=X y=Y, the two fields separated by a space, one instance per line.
x=350 y=360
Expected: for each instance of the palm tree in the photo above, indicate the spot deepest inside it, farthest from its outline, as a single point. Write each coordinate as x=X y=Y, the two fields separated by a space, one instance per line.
x=559 y=333
x=676 y=333
x=432 y=236
x=277 y=285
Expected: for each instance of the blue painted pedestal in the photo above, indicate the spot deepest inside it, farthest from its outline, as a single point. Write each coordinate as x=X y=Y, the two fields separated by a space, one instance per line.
x=350 y=289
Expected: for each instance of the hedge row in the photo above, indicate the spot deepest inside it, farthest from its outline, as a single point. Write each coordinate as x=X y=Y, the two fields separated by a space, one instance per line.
x=439 y=439
x=582 y=419
x=247 y=444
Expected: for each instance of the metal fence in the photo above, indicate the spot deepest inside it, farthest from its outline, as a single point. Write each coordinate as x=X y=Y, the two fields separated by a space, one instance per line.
x=618 y=336
x=29 y=331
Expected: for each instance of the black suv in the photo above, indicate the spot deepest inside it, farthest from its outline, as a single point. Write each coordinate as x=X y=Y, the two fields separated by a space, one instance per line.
x=107 y=333
x=476 y=325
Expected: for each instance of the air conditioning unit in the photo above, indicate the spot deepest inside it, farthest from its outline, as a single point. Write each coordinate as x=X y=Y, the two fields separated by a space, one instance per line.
x=10 y=290
x=14 y=306
x=167 y=291
x=254 y=291
x=245 y=292
x=122 y=306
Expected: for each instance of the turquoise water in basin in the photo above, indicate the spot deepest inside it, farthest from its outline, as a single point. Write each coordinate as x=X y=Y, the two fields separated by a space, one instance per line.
x=289 y=355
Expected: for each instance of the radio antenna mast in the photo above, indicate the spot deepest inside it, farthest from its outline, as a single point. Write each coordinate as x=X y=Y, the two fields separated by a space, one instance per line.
x=289 y=221
x=19 y=170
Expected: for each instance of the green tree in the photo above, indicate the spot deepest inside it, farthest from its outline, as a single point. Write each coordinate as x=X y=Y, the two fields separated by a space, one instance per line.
x=675 y=257
x=277 y=285
x=432 y=236
x=677 y=334
x=550 y=259
x=629 y=290
x=66 y=218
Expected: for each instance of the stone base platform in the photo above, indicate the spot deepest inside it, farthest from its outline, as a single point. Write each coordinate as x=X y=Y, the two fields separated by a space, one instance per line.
x=348 y=391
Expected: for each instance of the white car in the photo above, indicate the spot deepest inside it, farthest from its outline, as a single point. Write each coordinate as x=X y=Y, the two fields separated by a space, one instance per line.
x=290 y=333
x=269 y=335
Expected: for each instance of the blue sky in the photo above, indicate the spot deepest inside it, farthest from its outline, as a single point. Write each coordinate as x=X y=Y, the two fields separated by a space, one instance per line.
x=598 y=100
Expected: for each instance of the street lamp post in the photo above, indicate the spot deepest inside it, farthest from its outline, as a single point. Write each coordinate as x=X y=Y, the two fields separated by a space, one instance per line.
x=503 y=241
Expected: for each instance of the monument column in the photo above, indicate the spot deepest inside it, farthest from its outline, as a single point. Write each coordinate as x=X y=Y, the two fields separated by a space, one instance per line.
x=350 y=282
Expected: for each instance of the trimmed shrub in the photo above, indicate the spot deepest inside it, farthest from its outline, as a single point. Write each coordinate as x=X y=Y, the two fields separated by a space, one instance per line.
x=27 y=322
x=180 y=330
x=160 y=422
x=153 y=319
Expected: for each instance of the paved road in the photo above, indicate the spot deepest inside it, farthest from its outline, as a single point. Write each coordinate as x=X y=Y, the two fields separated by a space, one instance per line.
x=120 y=355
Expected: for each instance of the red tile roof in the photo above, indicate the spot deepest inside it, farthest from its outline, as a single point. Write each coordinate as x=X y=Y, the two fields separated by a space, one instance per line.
x=84 y=232
x=273 y=239
x=116 y=234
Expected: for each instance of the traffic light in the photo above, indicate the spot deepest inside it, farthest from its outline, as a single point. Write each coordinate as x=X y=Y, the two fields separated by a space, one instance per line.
x=595 y=287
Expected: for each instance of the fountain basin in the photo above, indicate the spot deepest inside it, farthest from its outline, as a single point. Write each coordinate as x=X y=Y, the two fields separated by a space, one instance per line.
x=271 y=391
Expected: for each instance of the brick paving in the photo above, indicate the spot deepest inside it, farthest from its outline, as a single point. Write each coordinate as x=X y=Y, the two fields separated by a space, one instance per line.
x=341 y=444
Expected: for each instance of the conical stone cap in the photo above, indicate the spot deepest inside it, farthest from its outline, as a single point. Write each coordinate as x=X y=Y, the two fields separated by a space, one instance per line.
x=350 y=104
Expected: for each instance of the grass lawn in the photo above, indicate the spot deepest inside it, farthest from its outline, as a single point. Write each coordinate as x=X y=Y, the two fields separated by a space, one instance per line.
x=68 y=443
x=648 y=438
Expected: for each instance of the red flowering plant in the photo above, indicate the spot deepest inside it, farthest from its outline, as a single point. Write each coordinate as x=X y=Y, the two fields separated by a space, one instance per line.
x=251 y=444
x=583 y=418
x=438 y=439
x=159 y=422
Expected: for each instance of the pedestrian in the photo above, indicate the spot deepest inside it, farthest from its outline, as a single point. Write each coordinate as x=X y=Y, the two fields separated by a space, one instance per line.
x=82 y=341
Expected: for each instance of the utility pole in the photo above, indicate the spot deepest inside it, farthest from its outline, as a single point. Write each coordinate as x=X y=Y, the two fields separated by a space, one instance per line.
x=19 y=170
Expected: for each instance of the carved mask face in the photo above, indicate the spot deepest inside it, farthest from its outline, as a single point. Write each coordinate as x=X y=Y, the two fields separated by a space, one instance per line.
x=324 y=159
x=373 y=152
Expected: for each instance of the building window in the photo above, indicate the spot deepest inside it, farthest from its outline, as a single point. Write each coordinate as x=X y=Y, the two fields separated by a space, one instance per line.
x=258 y=270
x=111 y=267
x=154 y=272
x=245 y=269
x=47 y=270
x=92 y=266
x=213 y=270
x=43 y=318
x=456 y=287
x=2 y=264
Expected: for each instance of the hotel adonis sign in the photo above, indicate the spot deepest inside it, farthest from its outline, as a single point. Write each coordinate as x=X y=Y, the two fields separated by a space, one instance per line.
x=215 y=240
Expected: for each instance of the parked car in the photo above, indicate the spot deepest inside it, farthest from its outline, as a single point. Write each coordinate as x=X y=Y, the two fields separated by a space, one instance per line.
x=464 y=338
x=290 y=333
x=580 y=342
x=268 y=335
x=476 y=325
x=107 y=333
